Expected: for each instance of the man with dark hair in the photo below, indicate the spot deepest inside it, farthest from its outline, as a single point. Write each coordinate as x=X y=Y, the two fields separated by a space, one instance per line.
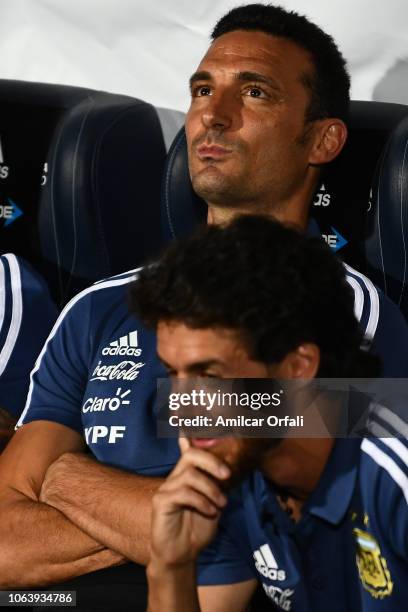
x=268 y=282
x=257 y=138
x=268 y=320
x=329 y=83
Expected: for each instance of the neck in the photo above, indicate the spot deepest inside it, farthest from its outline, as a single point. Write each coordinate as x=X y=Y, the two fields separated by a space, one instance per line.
x=222 y=216
x=293 y=211
x=297 y=464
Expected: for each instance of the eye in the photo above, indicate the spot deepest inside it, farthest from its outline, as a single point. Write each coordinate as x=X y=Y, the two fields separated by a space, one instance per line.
x=255 y=92
x=201 y=90
x=209 y=374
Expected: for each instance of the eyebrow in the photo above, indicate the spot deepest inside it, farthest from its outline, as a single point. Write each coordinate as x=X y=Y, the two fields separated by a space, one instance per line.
x=203 y=75
x=244 y=77
x=256 y=76
x=196 y=366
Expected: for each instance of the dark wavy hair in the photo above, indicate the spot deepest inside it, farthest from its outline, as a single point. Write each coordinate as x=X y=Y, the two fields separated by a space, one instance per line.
x=275 y=286
x=330 y=84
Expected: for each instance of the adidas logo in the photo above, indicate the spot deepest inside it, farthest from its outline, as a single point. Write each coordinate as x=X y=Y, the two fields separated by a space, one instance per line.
x=266 y=564
x=125 y=345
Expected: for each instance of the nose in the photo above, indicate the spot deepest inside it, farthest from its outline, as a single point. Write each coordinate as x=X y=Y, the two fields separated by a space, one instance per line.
x=219 y=111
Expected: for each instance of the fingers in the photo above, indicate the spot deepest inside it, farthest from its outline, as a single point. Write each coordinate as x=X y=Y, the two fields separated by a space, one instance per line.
x=204 y=461
x=195 y=480
x=184 y=497
x=198 y=481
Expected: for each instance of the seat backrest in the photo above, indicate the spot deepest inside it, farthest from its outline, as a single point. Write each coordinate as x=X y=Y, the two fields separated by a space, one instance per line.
x=80 y=175
x=361 y=205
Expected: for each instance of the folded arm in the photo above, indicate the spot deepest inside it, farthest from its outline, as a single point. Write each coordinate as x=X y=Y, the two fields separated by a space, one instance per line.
x=38 y=544
x=110 y=505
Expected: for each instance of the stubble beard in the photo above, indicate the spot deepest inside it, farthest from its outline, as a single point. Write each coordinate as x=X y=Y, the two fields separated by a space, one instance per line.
x=249 y=457
x=219 y=190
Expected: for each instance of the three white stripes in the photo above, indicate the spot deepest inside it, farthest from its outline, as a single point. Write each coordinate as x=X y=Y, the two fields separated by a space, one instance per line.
x=17 y=308
x=395 y=444
x=264 y=556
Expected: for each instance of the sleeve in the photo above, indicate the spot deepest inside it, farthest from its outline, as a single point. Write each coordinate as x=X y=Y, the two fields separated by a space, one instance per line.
x=382 y=323
x=386 y=478
x=227 y=560
x=59 y=377
x=27 y=314
x=390 y=341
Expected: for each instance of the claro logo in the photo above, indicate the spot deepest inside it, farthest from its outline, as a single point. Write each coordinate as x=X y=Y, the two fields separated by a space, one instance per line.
x=100 y=404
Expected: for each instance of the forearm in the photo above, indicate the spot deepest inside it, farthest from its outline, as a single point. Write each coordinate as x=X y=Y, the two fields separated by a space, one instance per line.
x=40 y=546
x=172 y=589
x=110 y=505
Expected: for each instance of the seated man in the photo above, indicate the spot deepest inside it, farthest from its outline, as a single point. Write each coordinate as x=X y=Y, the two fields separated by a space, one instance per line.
x=277 y=306
x=268 y=109
x=27 y=314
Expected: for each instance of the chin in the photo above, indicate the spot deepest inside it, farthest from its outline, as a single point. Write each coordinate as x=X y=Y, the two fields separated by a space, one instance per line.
x=214 y=187
x=241 y=455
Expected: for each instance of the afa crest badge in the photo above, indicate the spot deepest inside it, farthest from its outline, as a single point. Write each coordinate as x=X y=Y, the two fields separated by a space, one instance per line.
x=372 y=567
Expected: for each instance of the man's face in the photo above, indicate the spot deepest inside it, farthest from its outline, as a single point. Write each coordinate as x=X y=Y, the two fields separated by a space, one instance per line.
x=217 y=353
x=246 y=133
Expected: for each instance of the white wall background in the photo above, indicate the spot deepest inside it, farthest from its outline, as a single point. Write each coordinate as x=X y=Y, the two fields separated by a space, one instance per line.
x=148 y=48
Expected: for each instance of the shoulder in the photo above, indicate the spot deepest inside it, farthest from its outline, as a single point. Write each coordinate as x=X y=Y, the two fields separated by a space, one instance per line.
x=377 y=313
x=92 y=309
x=384 y=456
x=366 y=300
x=102 y=296
x=384 y=479
x=111 y=288
x=25 y=304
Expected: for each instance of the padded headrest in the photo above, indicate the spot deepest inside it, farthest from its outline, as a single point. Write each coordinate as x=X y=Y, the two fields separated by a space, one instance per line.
x=387 y=242
x=343 y=206
x=80 y=173
x=182 y=209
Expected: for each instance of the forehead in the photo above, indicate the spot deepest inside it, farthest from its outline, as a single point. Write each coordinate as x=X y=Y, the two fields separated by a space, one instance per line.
x=251 y=50
x=177 y=343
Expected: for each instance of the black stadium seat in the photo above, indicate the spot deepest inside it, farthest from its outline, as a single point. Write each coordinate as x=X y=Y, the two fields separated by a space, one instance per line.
x=80 y=175
x=361 y=206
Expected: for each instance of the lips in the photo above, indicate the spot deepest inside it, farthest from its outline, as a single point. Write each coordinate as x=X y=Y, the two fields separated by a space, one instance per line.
x=212 y=152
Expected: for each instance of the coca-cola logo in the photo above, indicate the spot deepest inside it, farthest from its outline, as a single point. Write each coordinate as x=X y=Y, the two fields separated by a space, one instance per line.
x=281 y=597
x=125 y=370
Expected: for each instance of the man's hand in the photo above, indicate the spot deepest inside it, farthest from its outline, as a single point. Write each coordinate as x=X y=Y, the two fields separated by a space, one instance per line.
x=39 y=545
x=186 y=508
x=110 y=505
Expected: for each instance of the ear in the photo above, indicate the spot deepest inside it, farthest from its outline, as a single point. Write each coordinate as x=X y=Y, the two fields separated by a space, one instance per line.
x=303 y=362
x=329 y=138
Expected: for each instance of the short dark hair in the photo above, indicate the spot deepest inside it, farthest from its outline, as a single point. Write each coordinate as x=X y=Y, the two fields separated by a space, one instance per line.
x=330 y=83
x=267 y=281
